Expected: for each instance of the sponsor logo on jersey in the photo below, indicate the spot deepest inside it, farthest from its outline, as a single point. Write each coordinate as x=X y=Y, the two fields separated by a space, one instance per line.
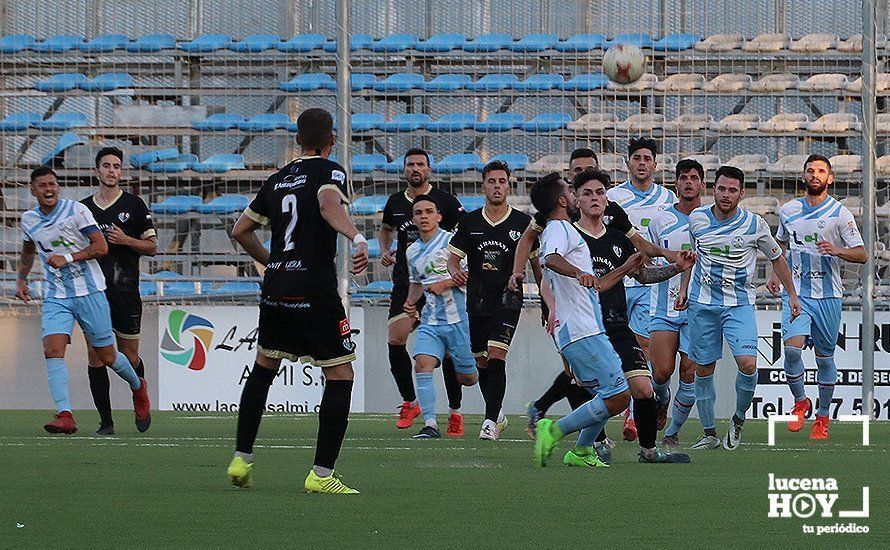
x=123 y=216
x=811 y=238
x=617 y=250
x=337 y=175
x=738 y=242
x=515 y=235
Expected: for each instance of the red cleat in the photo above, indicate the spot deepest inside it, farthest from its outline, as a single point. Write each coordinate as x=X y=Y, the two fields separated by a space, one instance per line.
x=820 y=428
x=407 y=414
x=801 y=408
x=63 y=424
x=630 y=427
x=455 y=425
x=142 y=406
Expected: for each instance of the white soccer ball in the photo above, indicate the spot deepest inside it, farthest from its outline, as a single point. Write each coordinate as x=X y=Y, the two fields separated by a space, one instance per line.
x=624 y=63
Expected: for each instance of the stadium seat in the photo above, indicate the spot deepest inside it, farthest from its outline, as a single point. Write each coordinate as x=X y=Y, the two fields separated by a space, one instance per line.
x=749 y=162
x=645 y=82
x=207 y=43
x=232 y=287
x=824 y=83
x=152 y=43
x=581 y=43
x=62 y=82
x=224 y=204
x=441 y=43
x=256 y=43
x=685 y=82
x=693 y=122
x=614 y=164
x=374 y=248
x=219 y=122
x=493 y=82
x=177 y=204
x=774 y=83
x=363 y=164
x=514 y=161
x=399 y=82
x=65 y=142
x=308 y=82
x=539 y=82
x=106 y=43
x=534 y=43
x=364 y=122
x=594 y=122
x=368 y=205
x=762 y=206
x=148 y=288
x=835 y=122
x=665 y=164
x=814 y=42
x=383 y=287
x=59 y=44
x=729 y=82
x=397 y=166
x=788 y=165
x=883 y=123
x=488 y=43
x=472 y=202
x=708 y=161
x=177 y=288
x=302 y=43
x=846 y=164
x=174 y=165
x=394 y=43
x=740 y=122
x=641 y=40
x=585 y=82
x=882 y=84
x=62 y=121
x=220 y=163
x=720 y=43
x=768 y=42
x=357 y=82
x=140 y=160
x=107 y=82
x=547 y=122
x=266 y=122
x=446 y=83
x=16 y=43
x=457 y=163
x=785 y=123
x=356 y=42
x=499 y=122
x=882 y=166
x=854 y=204
x=558 y=162
x=675 y=42
x=642 y=122
x=19 y=122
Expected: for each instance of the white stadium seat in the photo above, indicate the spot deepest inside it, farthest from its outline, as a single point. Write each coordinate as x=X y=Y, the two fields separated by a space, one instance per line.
x=785 y=123
x=749 y=163
x=730 y=82
x=642 y=122
x=680 y=83
x=775 y=83
x=854 y=204
x=815 y=42
x=770 y=42
x=550 y=163
x=594 y=122
x=708 y=161
x=854 y=44
x=741 y=122
x=720 y=43
x=644 y=83
x=846 y=164
x=883 y=121
x=882 y=83
x=693 y=122
x=762 y=206
x=615 y=164
x=835 y=122
x=788 y=165
x=824 y=83
x=665 y=164
x=882 y=166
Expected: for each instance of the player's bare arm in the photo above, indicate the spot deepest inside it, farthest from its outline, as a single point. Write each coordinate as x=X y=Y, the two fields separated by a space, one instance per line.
x=415 y=291
x=334 y=213
x=523 y=251
x=384 y=236
x=458 y=275
x=783 y=272
x=441 y=286
x=97 y=248
x=26 y=262
x=244 y=232
x=650 y=274
x=682 y=301
x=146 y=247
x=562 y=266
x=856 y=254
x=773 y=284
x=652 y=250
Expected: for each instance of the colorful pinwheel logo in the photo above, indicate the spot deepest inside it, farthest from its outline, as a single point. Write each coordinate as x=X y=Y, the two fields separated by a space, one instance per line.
x=187 y=339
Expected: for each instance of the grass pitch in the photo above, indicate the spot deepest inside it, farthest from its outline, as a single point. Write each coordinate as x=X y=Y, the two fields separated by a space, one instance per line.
x=167 y=488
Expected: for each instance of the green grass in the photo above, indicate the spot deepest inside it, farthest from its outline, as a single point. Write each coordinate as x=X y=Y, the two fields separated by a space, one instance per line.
x=168 y=489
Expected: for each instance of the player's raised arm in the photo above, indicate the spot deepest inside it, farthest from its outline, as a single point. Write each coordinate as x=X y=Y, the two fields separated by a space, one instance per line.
x=332 y=210
x=26 y=262
x=651 y=274
x=652 y=250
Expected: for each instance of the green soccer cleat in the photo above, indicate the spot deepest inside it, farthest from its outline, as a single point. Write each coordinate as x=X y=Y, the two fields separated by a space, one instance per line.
x=239 y=472
x=545 y=442
x=584 y=460
x=330 y=485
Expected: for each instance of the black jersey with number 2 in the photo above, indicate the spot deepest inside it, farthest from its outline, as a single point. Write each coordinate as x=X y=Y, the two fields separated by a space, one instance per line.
x=304 y=246
x=609 y=250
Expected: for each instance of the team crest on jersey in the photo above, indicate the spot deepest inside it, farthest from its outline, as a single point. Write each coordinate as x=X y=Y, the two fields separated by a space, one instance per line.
x=617 y=250
x=515 y=234
x=607 y=220
x=821 y=224
x=123 y=217
x=738 y=242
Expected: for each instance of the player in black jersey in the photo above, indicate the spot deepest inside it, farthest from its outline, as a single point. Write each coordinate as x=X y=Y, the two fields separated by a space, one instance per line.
x=301 y=314
x=397 y=215
x=127 y=225
x=486 y=239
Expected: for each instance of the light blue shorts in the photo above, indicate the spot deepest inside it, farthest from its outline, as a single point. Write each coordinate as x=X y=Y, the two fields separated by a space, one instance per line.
x=91 y=312
x=638 y=309
x=820 y=320
x=710 y=324
x=677 y=324
x=454 y=339
x=596 y=365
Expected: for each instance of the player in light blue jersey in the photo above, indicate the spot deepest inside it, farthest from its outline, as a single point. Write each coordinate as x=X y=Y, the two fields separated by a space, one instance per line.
x=726 y=240
x=668 y=328
x=65 y=235
x=444 y=327
x=817 y=233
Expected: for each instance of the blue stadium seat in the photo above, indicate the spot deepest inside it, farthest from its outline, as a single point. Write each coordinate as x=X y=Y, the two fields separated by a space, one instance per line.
x=499 y=122
x=493 y=82
x=399 y=82
x=488 y=43
x=540 y=82
x=377 y=287
x=179 y=288
x=363 y=122
x=308 y=82
x=15 y=43
x=457 y=163
x=152 y=43
x=265 y=122
x=547 y=122
x=302 y=43
x=581 y=43
x=397 y=166
x=174 y=165
x=18 y=122
x=640 y=39
x=472 y=202
x=441 y=43
x=368 y=205
x=106 y=43
x=675 y=42
x=220 y=163
x=62 y=82
x=62 y=121
x=394 y=43
x=515 y=161
x=145 y=158
x=218 y=122
x=407 y=122
x=451 y=122
x=585 y=82
x=224 y=204
x=178 y=204
x=534 y=43
x=207 y=43
x=232 y=287
x=256 y=43
x=356 y=42
x=59 y=43
x=66 y=141
x=363 y=164
x=447 y=83
x=374 y=248
x=108 y=82
x=357 y=82
x=148 y=288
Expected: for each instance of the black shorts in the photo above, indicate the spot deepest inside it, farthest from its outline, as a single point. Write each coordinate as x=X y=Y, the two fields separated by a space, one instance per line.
x=126 y=313
x=397 y=302
x=313 y=330
x=633 y=362
x=492 y=331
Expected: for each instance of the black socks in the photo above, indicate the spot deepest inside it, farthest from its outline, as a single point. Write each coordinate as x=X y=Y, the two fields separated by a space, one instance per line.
x=100 y=387
x=400 y=367
x=333 y=417
x=250 y=408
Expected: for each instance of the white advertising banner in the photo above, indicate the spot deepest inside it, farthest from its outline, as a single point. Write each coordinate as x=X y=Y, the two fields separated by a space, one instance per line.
x=206 y=354
x=774 y=397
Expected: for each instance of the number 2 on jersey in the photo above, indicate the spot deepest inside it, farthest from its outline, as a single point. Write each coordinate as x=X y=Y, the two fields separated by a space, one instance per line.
x=289 y=206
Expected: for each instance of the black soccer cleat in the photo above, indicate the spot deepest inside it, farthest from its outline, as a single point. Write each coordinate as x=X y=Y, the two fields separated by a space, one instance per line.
x=428 y=432
x=104 y=430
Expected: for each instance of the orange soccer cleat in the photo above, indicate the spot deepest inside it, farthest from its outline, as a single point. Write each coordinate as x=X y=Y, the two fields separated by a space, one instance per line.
x=407 y=414
x=801 y=408
x=63 y=423
x=455 y=425
x=630 y=427
x=142 y=407
x=820 y=428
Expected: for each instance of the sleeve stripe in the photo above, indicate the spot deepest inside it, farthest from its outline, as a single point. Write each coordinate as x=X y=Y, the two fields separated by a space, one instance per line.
x=258 y=218
x=148 y=233
x=456 y=251
x=343 y=198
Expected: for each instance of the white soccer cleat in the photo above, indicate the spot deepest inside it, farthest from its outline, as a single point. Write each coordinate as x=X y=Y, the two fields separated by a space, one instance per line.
x=734 y=436
x=706 y=442
x=489 y=431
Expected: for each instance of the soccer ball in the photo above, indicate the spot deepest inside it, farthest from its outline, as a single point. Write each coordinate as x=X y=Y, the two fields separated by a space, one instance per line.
x=624 y=63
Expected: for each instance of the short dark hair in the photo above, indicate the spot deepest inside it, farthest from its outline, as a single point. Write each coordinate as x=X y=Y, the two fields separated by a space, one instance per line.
x=42 y=171
x=105 y=151
x=429 y=198
x=591 y=174
x=315 y=127
x=545 y=194
x=642 y=143
x=416 y=151
x=495 y=165
x=730 y=172
x=817 y=158
x=686 y=165
x=583 y=153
